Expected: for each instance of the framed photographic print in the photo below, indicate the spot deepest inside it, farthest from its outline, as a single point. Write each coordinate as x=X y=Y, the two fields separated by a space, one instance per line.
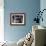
x=17 y=19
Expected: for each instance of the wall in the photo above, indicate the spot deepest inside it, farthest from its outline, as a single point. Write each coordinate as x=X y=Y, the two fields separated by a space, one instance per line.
x=1 y=21
x=29 y=7
x=43 y=6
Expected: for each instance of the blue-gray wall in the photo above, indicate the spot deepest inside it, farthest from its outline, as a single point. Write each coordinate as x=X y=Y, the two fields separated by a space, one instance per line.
x=29 y=7
x=43 y=6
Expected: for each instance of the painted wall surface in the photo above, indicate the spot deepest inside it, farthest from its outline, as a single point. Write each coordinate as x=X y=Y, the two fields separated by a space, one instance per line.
x=1 y=21
x=29 y=7
x=43 y=6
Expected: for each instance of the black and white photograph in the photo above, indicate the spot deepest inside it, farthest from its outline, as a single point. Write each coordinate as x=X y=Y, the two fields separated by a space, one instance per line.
x=17 y=18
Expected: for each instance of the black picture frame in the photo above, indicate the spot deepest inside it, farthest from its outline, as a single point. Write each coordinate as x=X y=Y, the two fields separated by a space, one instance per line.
x=17 y=19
